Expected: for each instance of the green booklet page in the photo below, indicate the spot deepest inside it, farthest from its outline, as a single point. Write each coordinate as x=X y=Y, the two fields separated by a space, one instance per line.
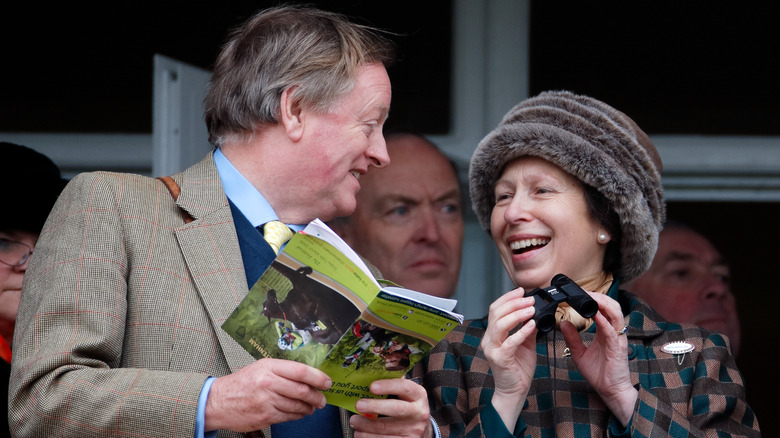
x=319 y=304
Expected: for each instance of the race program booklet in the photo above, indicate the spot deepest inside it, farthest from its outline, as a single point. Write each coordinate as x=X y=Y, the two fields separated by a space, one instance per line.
x=318 y=303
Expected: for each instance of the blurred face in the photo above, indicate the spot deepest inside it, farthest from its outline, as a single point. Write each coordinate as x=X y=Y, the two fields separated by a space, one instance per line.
x=541 y=225
x=408 y=220
x=689 y=282
x=337 y=147
x=11 y=283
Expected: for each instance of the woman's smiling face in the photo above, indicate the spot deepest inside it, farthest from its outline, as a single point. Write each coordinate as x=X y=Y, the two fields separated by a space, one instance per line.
x=541 y=224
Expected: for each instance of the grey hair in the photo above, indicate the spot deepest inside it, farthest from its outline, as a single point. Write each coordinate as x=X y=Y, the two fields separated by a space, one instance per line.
x=316 y=53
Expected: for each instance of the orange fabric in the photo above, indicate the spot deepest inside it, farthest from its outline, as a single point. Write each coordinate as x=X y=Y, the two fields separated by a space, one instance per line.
x=174 y=188
x=5 y=350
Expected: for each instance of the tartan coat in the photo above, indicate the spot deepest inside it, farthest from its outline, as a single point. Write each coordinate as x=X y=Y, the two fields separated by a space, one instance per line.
x=120 y=320
x=700 y=393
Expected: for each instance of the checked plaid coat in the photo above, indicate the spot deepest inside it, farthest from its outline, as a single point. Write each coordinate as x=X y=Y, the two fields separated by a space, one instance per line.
x=120 y=320
x=697 y=394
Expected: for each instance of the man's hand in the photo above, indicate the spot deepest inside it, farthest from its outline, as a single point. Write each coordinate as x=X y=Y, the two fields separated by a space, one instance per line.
x=406 y=416
x=267 y=392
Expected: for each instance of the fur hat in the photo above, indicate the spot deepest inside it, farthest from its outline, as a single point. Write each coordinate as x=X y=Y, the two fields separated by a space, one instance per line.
x=597 y=144
x=31 y=184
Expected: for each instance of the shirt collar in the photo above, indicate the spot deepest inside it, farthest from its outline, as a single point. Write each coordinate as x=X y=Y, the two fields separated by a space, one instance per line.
x=244 y=195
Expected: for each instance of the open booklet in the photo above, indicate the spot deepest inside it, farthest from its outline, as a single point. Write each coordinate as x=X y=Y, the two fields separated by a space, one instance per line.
x=319 y=304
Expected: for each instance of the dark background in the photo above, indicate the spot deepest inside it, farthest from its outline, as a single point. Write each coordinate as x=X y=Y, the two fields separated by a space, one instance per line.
x=81 y=68
x=676 y=67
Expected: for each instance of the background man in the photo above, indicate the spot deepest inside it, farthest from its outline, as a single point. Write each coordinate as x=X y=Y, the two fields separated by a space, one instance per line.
x=122 y=306
x=409 y=218
x=689 y=281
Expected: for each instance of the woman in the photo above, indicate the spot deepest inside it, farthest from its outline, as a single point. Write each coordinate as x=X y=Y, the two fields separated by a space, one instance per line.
x=567 y=184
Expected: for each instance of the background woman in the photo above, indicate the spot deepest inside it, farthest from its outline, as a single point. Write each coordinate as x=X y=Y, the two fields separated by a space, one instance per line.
x=567 y=184
x=31 y=183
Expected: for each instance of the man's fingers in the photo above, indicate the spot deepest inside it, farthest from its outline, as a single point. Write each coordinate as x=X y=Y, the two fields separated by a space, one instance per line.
x=299 y=372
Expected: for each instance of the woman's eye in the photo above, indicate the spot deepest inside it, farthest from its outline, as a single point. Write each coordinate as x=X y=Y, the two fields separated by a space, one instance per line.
x=502 y=196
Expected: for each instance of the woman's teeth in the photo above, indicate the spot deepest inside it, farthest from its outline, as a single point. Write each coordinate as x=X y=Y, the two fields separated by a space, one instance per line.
x=523 y=244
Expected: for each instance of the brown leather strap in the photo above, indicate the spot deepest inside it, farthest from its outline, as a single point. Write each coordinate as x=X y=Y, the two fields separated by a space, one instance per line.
x=172 y=187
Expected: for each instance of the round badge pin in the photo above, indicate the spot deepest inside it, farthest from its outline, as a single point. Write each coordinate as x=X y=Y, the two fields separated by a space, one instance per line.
x=679 y=347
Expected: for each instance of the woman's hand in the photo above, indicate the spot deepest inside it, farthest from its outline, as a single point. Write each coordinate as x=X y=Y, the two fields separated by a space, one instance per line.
x=604 y=363
x=512 y=358
x=405 y=415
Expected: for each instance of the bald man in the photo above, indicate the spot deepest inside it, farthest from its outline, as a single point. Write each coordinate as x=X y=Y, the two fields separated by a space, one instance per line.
x=409 y=217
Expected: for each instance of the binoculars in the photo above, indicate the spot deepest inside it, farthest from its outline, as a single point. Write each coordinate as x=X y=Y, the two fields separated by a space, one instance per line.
x=561 y=289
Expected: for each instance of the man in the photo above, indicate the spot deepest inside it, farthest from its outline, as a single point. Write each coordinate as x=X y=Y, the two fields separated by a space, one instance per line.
x=122 y=306
x=32 y=184
x=689 y=282
x=409 y=218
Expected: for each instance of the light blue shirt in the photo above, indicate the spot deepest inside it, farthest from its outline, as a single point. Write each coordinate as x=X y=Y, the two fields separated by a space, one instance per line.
x=244 y=195
x=258 y=211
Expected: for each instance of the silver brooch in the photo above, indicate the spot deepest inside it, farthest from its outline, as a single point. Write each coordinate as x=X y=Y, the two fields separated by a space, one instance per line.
x=679 y=348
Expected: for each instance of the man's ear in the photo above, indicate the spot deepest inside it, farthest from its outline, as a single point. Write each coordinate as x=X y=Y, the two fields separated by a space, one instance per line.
x=290 y=115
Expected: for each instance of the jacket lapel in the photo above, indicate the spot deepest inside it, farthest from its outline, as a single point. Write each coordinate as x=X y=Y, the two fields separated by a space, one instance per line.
x=211 y=252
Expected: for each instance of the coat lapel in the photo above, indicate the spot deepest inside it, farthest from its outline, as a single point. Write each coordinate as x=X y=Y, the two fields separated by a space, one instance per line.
x=211 y=252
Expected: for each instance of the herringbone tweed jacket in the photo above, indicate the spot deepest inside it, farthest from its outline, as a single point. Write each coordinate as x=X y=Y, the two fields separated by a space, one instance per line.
x=120 y=320
x=700 y=393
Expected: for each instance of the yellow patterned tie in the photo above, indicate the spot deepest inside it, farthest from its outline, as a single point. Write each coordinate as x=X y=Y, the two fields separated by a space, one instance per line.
x=276 y=234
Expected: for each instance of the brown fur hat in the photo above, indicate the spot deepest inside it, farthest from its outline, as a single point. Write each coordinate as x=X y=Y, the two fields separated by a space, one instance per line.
x=592 y=141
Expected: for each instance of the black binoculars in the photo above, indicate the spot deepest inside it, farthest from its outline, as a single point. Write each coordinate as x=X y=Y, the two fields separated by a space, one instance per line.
x=561 y=289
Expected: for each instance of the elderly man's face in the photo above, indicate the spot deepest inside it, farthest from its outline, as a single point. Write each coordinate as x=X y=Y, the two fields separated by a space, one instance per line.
x=408 y=220
x=689 y=282
x=321 y=173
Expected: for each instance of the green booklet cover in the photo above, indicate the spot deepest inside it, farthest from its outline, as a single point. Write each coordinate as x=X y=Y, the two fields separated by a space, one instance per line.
x=319 y=304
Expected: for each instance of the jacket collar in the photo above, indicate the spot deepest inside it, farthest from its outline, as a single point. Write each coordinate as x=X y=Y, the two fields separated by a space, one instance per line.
x=211 y=252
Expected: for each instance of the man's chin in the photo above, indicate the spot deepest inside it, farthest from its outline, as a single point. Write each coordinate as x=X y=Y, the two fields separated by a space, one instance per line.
x=440 y=287
x=715 y=325
x=341 y=208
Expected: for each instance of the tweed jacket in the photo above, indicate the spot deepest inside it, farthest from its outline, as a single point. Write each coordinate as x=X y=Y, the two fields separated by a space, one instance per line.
x=120 y=320
x=700 y=393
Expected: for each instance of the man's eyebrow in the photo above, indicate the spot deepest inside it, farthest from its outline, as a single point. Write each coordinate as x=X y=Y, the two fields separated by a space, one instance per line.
x=676 y=256
x=450 y=194
x=679 y=256
x=397 y=197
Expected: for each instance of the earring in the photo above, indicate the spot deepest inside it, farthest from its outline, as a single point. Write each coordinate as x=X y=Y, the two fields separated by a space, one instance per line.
x=603 y=238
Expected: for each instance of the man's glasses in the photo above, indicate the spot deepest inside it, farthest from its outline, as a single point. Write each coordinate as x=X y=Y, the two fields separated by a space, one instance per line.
x=13 y=253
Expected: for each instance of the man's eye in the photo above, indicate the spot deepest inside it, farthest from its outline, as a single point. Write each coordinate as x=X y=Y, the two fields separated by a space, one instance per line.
x=370 y=127
x=681 y=274
x=724 y=275
x=450 y=208
x=401 y=210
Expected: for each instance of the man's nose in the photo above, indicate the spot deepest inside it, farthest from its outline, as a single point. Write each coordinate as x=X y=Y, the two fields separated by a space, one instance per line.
x=715 y=287
x=427 y=226
x=377 y=151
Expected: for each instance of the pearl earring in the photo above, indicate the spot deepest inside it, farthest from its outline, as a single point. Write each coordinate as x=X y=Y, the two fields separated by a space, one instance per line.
x=602 y=238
